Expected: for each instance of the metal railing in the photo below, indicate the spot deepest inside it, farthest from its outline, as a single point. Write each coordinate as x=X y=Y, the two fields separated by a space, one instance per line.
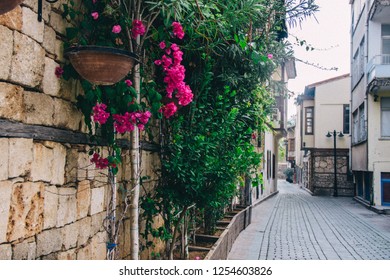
x=383 y=59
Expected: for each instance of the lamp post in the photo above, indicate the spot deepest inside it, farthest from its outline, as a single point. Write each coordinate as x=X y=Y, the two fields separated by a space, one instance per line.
x=330 y=134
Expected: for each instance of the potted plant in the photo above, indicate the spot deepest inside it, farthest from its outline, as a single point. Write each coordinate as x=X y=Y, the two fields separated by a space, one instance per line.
x=8 y=5
x=99 y=40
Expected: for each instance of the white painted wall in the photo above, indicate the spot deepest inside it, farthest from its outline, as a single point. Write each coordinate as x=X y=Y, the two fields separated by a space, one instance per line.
x=329 y=102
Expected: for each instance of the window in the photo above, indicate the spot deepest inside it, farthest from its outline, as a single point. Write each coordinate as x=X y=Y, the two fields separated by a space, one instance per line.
x=358 y=64
x=346 y=119
x=362 y=124
x=355 y=119
x=385 y=116
x=309 y=116
x=273 y=166
x=359 y=125
x=291 y=145
x=385 y=44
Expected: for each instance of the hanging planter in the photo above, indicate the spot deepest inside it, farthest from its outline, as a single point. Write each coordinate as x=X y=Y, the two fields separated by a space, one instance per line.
x=101 y=65
x=8 y=5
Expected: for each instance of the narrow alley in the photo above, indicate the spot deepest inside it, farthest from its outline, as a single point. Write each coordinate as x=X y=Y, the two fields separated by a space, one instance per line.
x=293 y=225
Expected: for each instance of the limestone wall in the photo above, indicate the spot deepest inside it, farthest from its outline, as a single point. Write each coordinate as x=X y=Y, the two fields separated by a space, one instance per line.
x=52 y=200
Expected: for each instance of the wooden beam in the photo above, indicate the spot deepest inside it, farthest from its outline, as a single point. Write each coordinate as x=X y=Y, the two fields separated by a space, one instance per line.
x=12 y=129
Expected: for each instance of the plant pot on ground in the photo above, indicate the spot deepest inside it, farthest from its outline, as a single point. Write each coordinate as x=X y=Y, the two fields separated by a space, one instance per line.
x=101 y=65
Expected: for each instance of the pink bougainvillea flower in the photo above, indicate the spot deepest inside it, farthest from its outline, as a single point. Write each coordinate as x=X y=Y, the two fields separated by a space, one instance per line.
x=122 y=123
x=144 y=117
x=99 y=113
x=184 y=95
x=178 y=30
x=162 y=45
x=116 y=29
x=169 y=110
x=197 y=258
x=158 y=62
x=175 y=47
x=138 y=28
x=94 y=1
x=128 y=83
x=99 y=161
x=253 y=135
x=270 y=56
x=95 y=15
x=58 y=72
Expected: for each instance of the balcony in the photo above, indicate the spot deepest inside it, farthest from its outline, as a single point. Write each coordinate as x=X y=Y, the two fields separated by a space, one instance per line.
x=380 y=11
x=378 y=68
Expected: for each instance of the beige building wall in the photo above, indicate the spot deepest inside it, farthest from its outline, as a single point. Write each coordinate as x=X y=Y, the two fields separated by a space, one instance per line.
x=330 y=99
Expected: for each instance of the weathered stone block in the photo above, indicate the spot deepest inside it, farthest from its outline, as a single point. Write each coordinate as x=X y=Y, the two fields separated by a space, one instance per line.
x=51 y=84
x=71 y=167
x=84 y=231
x=4 y=159
x=20 y=156
x=46 y=8
x=43 y=161
x=67 y=206
x=82 y=166
x=48 y=241
x=98 y=244
x=26 y=210
x=59 y=51
x=6 y=47
x=58 y=23
x=97 y=222
x=49 y=39
x=97 y=200
x=68 y=255
x=25 y=250
x=5 y=203
x=83 y=199
x=50 y=207
x=66 y=115
x=69 y=235
x=39 y=108
x=27 y=69
x=12 y=19
x=5 y=252
x=85 y=253
x=59 y=162
x=11 y=102
x=31 y=26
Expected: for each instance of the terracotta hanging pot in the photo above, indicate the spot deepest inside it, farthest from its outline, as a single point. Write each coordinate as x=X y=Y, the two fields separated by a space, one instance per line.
x=101 y=65
x=8 y=5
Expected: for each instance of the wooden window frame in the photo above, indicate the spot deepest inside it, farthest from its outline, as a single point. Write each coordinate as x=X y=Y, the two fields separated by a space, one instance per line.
x=311 y=118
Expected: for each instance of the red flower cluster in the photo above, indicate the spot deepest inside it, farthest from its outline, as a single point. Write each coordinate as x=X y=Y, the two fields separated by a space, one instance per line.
x=138 y=28
x=174 y=75
x=128 y=121
x=178 y=30
x=99 y=161
x=58 y=72
x=99 y=113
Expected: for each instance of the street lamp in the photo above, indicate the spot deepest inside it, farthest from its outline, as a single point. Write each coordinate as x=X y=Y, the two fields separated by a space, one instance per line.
x=330 y=134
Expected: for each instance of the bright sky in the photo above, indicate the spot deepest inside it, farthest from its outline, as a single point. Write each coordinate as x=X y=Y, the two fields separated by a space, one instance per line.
x=330 y=37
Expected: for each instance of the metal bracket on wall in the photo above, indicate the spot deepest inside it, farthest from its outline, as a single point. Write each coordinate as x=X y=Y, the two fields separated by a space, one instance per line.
x=40 y=8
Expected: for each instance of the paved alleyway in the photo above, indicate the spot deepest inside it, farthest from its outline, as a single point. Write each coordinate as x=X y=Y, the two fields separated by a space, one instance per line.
x=295 y=225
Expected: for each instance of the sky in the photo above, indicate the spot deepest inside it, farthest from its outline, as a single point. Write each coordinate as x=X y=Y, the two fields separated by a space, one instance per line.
x=329 y=35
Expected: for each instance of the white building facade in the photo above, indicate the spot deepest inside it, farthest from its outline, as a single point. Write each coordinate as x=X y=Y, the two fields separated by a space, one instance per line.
x=370 y=100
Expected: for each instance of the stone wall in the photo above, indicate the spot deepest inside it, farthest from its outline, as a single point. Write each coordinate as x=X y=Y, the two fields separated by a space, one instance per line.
x=321 y=165
x=52 y=200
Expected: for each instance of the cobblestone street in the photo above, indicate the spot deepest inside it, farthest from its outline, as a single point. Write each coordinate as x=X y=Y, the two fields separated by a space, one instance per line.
x=295 y=225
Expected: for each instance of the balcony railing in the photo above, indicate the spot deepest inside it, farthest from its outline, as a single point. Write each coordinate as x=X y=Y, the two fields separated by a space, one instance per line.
x=378 y=67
